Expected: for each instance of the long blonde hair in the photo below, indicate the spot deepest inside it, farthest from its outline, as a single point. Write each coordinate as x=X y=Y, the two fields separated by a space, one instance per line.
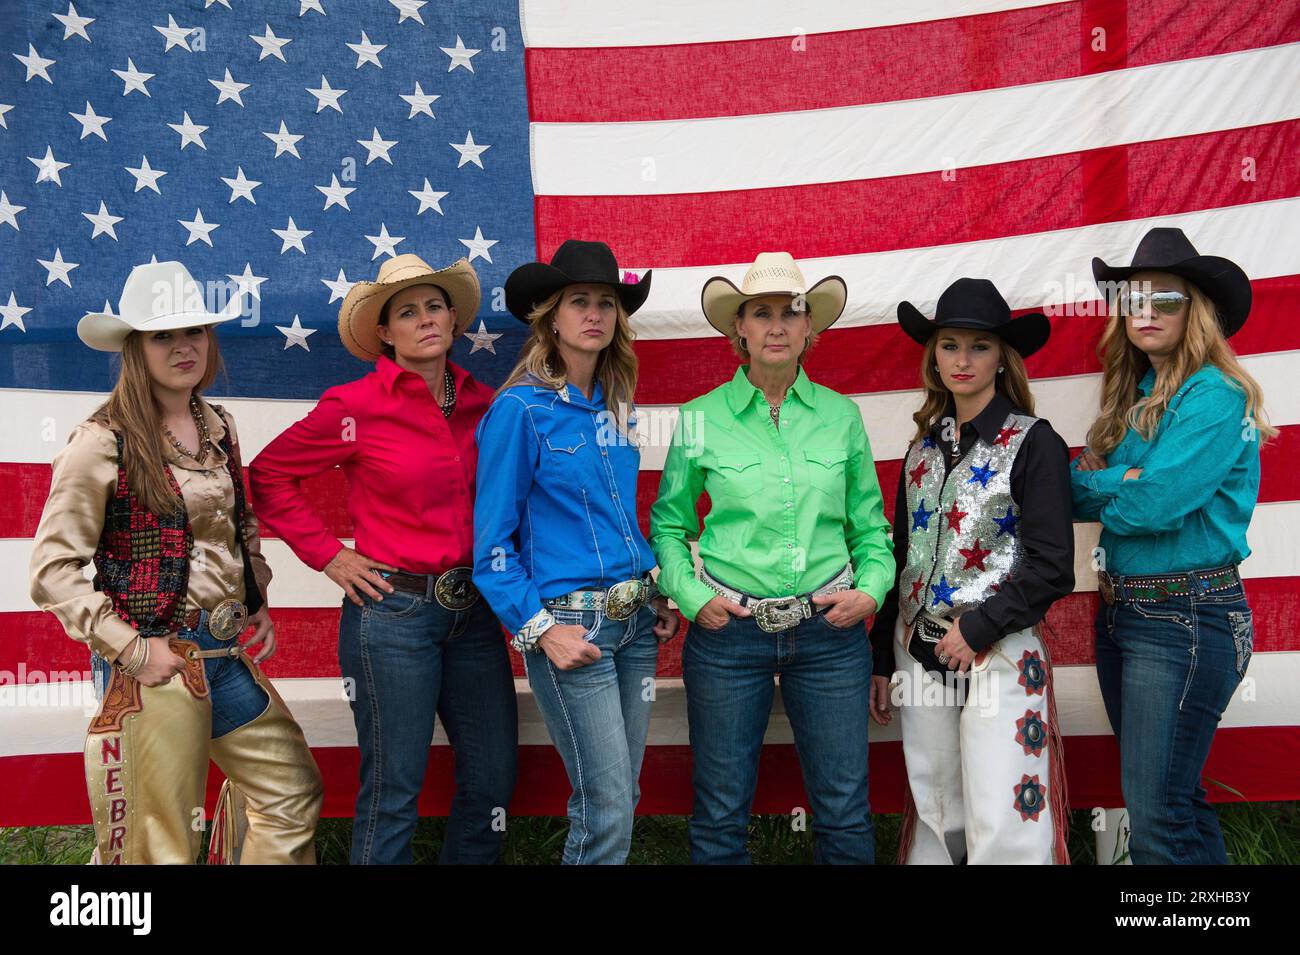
x=1124 y=364
x=616 y=368
x=132 y=410
x=1013 y=382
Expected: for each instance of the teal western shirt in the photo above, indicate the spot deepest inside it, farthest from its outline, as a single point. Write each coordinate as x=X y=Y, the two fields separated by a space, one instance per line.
x=1190 y=507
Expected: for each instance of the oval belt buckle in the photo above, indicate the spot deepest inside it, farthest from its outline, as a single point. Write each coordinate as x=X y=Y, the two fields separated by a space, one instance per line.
x=624 y=599
x=455 y=589
x=227 y=620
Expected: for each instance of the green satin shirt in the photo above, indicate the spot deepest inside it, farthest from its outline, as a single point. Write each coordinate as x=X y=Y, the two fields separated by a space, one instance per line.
x=789 y=507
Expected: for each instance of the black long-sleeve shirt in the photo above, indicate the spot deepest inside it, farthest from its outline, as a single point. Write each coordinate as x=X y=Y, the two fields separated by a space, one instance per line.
x=1040 y=486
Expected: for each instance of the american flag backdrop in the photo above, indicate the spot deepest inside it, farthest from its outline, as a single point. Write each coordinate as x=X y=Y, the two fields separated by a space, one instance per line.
x=286 y=146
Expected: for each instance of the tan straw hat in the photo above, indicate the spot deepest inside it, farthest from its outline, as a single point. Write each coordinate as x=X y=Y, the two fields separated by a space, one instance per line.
x=773 y=273
x=359 y=313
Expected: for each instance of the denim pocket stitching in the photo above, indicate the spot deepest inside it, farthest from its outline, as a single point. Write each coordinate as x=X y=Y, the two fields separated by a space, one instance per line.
x=373 y=605
x=1190 y=623
x=1241 y=622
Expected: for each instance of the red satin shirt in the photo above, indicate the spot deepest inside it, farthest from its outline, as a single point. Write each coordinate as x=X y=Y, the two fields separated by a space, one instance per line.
x=410 y=471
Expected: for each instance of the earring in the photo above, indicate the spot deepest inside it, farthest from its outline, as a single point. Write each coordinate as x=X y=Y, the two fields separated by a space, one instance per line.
x=555 y=328
x=744 y=345
x=999 y=369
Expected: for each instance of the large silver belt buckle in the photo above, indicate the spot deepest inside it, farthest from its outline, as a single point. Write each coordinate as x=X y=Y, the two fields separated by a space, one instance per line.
x=775 y=614
x=624 y=599
x=228 y=619
x=455 y=589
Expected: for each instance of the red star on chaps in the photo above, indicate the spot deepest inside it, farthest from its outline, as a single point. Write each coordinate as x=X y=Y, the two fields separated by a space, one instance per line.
x=1005 y=435
x=918 y=472
x=954 y=518
x=974 y=555
x=916 y=590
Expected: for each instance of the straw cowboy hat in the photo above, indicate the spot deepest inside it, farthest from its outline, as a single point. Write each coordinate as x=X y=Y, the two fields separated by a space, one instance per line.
x=575 y=263
x=359 y=313
x=1169 y=250
x=773 y=273
x=977 y=304
x=159 y=296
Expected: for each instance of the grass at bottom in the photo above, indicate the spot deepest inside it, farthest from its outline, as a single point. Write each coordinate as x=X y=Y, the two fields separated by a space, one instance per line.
x=1255 y=833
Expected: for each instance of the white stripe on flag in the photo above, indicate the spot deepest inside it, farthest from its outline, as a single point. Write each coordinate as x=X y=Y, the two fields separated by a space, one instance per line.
x=592 y=23
x=1031 y=271
x=37 y=423
x=1139 y=104
x=39 y=720
x=1271 y=537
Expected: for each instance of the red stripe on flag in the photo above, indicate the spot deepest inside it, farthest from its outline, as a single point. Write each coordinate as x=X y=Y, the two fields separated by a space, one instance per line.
x=26 y=486
x=1256 y=761
x=879 y=64
x=920 y=210
x=873 y=358
x=34 y=648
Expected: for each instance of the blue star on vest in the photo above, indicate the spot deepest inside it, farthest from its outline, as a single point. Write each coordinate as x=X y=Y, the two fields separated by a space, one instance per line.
x=982 y=473
x=921 y=517
x=1007 y=523
x=928 y=442
x=943 y=592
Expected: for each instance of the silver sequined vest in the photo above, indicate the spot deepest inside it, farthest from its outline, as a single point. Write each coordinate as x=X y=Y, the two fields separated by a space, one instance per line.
x=963 y=540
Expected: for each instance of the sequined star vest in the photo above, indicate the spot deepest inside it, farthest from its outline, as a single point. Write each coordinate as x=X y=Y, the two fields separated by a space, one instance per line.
x=963 y=540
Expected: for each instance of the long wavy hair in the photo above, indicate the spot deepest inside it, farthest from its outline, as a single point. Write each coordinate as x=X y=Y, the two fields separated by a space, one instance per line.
x=616 y=368
x=1012 y=382
x=1124 y=364
x=133 y=411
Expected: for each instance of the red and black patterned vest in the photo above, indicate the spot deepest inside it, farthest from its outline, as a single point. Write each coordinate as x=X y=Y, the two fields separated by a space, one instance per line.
x=143 y=561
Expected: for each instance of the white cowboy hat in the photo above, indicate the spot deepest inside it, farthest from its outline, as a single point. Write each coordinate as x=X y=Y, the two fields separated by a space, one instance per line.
x=359 y=313
x=159 y=296
x=773 y=273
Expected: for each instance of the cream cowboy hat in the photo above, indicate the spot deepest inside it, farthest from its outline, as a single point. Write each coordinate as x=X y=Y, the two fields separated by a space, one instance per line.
x=359 y=313
x=159 y=296
x=773 y=273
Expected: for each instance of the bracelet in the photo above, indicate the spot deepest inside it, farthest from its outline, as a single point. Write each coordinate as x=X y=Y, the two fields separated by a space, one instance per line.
x=131 y=666
x=525 y=640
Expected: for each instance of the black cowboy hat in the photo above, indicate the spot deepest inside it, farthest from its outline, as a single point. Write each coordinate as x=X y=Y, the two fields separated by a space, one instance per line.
x=1169 y=250
x=574 y=263
x=976 y=303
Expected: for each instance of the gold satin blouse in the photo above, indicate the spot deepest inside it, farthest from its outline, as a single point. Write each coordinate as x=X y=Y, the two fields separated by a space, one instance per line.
x=83 y=483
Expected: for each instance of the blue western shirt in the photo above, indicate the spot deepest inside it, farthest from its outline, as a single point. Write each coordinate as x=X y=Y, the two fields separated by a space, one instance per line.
x=1190 y=507
x=556 y=503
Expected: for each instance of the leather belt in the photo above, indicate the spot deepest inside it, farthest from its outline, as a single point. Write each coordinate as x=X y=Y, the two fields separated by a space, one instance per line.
x=617 y=602
x=1132 y=588
x=454 y=589
x=774 y=614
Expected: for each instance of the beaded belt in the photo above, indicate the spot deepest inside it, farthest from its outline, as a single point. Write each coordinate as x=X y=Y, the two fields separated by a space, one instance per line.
x=618 y=602
x=453 y=589
x=1150 y=589
x=774 y=614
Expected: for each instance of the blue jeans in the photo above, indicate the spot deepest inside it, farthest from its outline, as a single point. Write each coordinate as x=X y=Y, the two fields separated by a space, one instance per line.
x=236 y=697
x=598 y=717
x=825 y=676
x=407 y=658
x=1167 y=670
